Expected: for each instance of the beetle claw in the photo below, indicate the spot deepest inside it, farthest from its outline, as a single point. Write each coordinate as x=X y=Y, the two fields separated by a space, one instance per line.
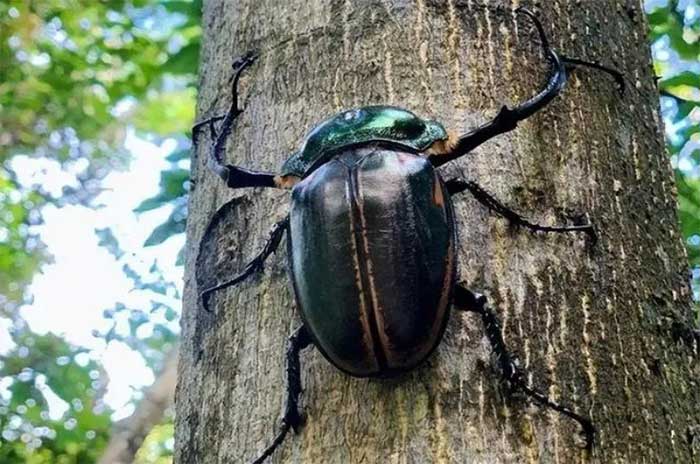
x=204 y=301
x=244 y=61
x=586 y=435
x=295 y=420
x=592 y=234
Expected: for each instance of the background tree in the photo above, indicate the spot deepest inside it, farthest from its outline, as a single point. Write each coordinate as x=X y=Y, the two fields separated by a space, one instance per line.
x=593 y=323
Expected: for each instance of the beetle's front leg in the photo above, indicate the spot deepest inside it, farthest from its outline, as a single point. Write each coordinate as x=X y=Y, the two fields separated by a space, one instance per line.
x=255 y=265
x=455 y=186
x=574 y=63
x=467 y=300
x=507 y=119
x=209 y=123
x=234 y=176
x=292 y=418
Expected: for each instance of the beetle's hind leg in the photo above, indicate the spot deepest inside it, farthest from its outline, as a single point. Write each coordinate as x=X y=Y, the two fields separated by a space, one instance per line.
x=234 y=176
x=467 y=300
x=292 y=418
x=507 y=119
x=255 y=265
x=455 y=186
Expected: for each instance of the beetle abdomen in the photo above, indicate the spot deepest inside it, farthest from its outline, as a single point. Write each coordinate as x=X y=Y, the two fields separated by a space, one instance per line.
x=372 y=259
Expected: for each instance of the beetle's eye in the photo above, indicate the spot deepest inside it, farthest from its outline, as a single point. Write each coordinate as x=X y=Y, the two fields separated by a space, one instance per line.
x=352 y=115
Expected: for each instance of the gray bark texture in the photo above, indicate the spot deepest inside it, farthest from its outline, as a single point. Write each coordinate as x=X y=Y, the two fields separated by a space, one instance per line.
x=592 y=323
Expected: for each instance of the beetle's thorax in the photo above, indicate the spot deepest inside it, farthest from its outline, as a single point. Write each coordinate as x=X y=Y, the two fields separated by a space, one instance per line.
x=359 y=126
x=354 y=156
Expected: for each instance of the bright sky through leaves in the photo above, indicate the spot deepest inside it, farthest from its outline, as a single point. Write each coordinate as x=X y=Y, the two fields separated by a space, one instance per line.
x=84 y=278
x=78 y=80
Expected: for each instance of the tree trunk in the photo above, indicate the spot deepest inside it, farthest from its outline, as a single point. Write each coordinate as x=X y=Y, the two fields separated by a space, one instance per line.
x=592 y=323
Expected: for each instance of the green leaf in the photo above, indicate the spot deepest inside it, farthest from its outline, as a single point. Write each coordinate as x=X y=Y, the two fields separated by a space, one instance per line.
x=109 y=241
x=166 y=113
x=172 y=185
x=685 y=86
x=175 y=224
x=178 y=155
x=184 y=61
x=180 y=260
x=183 y=7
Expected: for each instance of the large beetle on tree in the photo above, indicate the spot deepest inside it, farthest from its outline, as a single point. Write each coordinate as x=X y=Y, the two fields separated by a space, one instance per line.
x=372 y=236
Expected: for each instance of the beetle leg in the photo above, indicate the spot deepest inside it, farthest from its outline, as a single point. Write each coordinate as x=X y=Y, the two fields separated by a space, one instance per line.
x=507 y=119
x=234 y=176
x=255 y=265
x=469 y=301
x=292 y=418
x=198 y=127
x=455 y=186
x=573 y=64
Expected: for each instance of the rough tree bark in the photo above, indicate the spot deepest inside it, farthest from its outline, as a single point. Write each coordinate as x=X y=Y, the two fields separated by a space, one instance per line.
x=592 y=323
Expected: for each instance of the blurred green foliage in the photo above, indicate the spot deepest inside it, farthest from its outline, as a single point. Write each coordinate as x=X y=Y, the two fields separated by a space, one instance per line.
x=158 y=446
x=74 y=74
x=675 y=38
x=41 y=367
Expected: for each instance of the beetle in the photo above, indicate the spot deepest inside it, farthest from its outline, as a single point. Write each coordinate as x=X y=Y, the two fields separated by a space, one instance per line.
x=371 y=235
